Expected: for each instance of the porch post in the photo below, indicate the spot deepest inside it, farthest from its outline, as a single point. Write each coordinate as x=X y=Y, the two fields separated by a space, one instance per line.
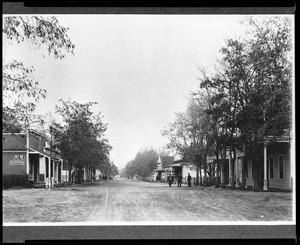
x=61 y=170
x=265 y=168
x=53 y=169
x=230 y=167
x=237 y=174
x=49 y=170
x=49 y=174
x=27 y=151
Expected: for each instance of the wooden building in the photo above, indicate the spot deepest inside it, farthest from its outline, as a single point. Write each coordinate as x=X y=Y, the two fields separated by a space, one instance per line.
x=27 y=158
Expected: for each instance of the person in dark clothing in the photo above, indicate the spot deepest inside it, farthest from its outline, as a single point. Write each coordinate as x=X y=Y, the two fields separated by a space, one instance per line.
x=189 y=179
x=179 y=180
x=170 y=180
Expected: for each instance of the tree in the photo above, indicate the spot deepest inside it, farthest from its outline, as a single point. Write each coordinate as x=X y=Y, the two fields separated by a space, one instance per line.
x=143 y=164
x=21 y=89
x=114 y=169
x=253 y=87
x=82 y=141
x=189 y=134
x=146 y=161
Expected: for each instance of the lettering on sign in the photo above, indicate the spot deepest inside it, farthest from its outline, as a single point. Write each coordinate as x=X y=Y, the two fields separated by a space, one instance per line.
x=17 y=159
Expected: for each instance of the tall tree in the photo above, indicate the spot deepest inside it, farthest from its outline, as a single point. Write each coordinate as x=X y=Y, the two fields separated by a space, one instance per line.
x=189 y=134
x=21 y=89
x=253 y=86
x=82 y=142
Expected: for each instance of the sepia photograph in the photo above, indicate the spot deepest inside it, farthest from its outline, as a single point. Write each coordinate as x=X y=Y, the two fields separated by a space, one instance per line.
x=148 y=120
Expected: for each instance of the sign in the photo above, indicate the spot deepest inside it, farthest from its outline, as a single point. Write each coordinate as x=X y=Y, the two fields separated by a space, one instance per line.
x=18 y=159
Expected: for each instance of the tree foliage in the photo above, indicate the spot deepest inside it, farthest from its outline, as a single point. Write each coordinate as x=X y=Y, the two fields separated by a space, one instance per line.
x=248 y=95
x=82 y=140
x=143 y=164
x=20 y=86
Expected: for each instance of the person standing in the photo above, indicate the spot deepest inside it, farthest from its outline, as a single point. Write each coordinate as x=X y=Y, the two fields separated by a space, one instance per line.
x=179 y=180
x=170 y=180
x=189 y=179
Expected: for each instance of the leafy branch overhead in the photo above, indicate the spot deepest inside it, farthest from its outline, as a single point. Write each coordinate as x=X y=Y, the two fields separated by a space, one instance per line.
x=21 y=88
x=19 y=80
x=41 y=32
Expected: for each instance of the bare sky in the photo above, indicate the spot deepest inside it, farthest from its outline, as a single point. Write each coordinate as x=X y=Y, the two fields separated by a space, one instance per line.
x=140 y=68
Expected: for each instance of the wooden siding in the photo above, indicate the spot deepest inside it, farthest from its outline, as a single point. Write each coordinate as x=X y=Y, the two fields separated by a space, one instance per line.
x=14 y=141
x=36 y=142
x=188 y=169
x=276 y=151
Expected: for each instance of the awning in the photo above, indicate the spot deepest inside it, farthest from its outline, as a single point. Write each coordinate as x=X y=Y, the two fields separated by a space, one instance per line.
x=31 y=150
x=175 y=165
x=45 y=154
x=160 y=170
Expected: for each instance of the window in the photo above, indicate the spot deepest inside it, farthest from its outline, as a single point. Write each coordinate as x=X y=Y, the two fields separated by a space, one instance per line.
x=271 y=167
x=280 y=166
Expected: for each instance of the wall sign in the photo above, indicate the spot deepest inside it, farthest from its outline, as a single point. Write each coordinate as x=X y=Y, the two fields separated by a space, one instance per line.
x=17 y=159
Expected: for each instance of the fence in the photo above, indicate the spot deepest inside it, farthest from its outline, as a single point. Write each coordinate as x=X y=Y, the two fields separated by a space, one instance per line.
x=10 y=180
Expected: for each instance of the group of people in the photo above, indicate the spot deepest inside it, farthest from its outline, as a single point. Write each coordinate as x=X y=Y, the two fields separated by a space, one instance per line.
x=171 y=180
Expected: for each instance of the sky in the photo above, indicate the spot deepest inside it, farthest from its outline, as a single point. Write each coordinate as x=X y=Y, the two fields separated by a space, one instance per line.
x=139 y=68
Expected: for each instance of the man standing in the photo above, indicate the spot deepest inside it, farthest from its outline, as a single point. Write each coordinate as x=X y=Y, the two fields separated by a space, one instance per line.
x=170 y=180
x=189 y=179
x=179 y=180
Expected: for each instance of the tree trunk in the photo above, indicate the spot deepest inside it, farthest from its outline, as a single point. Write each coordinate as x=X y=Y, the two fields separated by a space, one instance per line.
x=200 y=176
x=223 y=170
x=242 y=185
x=255 y=177
x=232 y=171
x=70 y=174
x=218 y=170
x=197 y=174
x=223 y=174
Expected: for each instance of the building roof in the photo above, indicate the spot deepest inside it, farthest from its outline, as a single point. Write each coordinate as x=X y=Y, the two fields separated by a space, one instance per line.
x=174 y=165
x=166 y=160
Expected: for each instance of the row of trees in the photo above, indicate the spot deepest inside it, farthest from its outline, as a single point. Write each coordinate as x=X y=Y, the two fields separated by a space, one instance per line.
x=81 y=137
x=80 y=134
x=144 y=162
x=245 y=98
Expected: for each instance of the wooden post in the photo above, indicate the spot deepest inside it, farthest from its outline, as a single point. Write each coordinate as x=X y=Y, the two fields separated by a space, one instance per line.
x=230 y=169
x=265 y=188
x=27 y=151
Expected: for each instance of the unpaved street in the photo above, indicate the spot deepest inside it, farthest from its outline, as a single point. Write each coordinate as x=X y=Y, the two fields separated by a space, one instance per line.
x=126 y=200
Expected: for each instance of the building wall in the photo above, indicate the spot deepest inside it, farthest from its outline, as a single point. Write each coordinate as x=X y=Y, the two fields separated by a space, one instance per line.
x=14 y=163
x=188 y=169
x=249 y=179
x=35 y=142
x=275 y=151
x=14 y=141
x=42 y=169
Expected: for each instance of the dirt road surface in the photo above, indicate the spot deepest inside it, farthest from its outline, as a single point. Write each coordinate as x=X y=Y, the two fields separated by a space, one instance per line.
x=131 y=200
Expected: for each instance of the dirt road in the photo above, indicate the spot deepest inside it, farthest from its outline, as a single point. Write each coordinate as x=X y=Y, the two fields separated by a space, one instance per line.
x=134 y=200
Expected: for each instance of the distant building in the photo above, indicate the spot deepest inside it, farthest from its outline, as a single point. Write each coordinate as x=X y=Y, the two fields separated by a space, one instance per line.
x=162 y=171
x=27 y=158
x=179 y=166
